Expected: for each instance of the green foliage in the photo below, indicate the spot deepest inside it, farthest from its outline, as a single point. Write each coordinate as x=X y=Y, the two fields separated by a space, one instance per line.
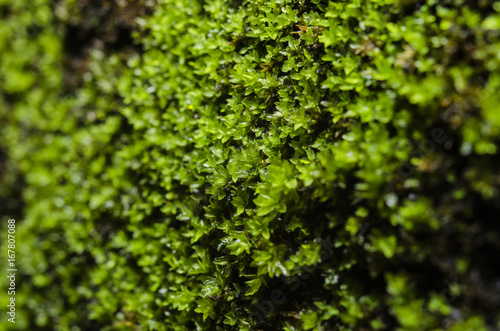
x=280 y=165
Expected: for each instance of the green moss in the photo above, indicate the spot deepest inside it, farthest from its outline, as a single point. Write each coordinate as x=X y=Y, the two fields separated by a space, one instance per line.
x=279 y=165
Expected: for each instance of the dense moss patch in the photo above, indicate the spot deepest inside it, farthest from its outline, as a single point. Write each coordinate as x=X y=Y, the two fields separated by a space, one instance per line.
x=281 y=165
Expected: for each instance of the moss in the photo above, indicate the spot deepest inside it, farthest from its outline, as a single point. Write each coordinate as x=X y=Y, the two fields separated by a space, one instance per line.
x=280 y=165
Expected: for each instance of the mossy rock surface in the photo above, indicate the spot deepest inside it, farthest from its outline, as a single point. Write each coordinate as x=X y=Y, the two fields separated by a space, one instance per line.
x=252 y=165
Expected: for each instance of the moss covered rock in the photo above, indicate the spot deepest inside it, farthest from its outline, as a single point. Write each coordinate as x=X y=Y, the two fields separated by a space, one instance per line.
x=252 y=165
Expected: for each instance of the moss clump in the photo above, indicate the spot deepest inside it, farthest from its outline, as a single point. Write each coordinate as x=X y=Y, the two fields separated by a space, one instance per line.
x=279 y=165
